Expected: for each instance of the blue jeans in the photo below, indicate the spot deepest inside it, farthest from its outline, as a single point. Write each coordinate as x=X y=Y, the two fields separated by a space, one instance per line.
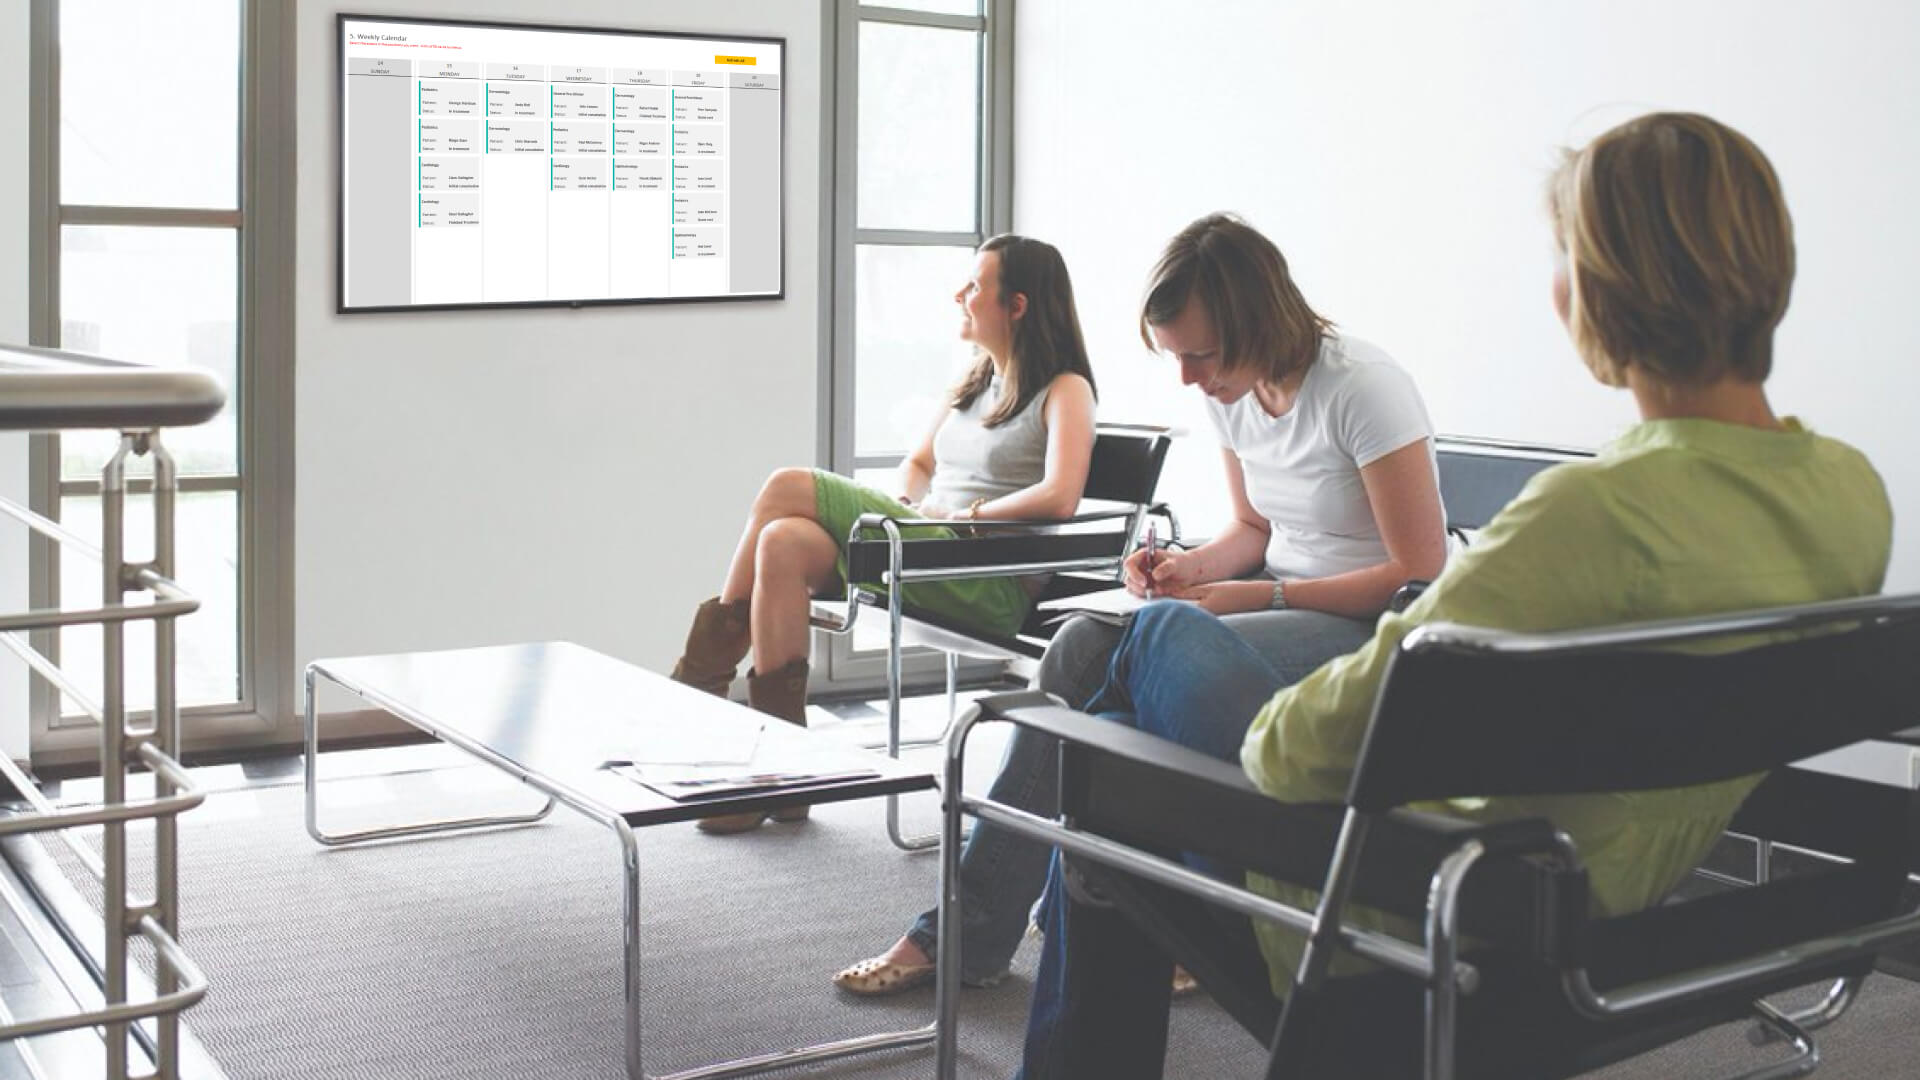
x=1001 y=875
x=1100 y=998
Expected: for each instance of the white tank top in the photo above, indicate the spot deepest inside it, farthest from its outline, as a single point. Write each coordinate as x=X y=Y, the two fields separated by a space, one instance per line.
x=972 y=461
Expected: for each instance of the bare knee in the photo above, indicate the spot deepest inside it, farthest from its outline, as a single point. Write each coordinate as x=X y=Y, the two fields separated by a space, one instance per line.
x=793 y=548
x=787 y=493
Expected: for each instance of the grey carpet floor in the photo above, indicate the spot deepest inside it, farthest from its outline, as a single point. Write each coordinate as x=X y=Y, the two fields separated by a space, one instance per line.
x=498 y=954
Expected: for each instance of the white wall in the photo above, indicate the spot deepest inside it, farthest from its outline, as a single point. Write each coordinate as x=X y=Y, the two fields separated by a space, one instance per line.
x=13 y=331
x=478 y=477
x=1395 y=151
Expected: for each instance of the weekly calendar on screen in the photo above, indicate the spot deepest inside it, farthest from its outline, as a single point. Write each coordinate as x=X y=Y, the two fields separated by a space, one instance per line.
x=484 y=163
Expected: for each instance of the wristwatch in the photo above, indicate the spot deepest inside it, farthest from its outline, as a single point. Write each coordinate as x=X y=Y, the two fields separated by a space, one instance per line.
x=1279 y=596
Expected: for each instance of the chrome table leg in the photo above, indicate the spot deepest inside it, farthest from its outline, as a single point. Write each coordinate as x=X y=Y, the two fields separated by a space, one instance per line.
x=336 y=839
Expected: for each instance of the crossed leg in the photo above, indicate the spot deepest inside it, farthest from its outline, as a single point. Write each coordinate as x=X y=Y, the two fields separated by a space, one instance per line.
x=783 y=558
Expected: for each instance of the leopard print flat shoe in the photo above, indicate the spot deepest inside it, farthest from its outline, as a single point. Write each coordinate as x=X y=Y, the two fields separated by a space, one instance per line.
x=878 y=976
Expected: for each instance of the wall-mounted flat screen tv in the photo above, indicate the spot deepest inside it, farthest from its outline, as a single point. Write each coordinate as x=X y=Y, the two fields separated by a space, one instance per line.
x=486 y=164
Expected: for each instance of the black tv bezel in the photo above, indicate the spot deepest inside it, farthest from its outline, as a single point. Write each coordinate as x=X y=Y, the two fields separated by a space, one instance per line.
x=340 y=164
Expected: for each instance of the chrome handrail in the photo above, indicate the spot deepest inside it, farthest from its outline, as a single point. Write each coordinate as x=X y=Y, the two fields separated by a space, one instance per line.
x=53 y=390
x=50 y=390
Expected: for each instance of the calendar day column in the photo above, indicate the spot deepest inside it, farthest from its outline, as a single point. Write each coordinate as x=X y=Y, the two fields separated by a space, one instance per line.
x=449 y=232
x=698 y=266
x=376 y=255
x=516 y=176
x=640 y=210
x=577 y=208
x=753 y=183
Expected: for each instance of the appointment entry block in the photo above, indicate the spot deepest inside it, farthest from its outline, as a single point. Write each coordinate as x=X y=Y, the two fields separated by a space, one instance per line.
x=489 y=164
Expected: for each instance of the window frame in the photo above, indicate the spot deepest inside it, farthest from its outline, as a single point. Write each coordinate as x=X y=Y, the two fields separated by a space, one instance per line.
x=263 y=226
x=847 y=668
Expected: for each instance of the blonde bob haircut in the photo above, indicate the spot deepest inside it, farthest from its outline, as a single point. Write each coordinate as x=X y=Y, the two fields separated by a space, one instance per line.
x=1679 y=251
x=1263 y=321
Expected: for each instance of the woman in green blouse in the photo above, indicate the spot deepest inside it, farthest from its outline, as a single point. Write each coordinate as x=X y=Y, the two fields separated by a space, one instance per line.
x=1677 y=260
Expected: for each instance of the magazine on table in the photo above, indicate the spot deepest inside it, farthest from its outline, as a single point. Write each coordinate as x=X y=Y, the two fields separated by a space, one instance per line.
x=684 y=784
x=690 y=764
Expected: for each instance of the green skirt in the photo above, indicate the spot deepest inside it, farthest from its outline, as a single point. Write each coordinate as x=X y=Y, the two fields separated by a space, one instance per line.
x=998 y=605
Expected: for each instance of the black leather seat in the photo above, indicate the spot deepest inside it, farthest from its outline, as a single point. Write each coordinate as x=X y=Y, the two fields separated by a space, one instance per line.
x=1515 y=976
x=1083 y=553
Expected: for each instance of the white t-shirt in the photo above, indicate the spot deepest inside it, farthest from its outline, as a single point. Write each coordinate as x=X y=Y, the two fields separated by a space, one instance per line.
x=1302 y=469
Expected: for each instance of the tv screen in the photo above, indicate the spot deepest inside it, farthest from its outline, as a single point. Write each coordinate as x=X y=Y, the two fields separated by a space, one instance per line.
x=488 y=164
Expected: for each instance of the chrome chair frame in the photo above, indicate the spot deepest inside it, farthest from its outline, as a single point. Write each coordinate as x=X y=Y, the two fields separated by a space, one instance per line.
x=1528 y=854
x=50 y=390
x=953 y=642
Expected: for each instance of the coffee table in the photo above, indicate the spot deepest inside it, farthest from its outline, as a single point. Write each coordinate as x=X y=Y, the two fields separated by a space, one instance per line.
x=549 y=714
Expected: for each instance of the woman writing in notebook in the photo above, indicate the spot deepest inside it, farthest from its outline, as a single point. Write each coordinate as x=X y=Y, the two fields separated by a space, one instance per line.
x=1676 y=262
x=1328 y=455
x=1015 y=441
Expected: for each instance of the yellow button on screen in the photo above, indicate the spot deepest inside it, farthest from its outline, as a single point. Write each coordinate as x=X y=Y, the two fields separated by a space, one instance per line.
x=743 y=60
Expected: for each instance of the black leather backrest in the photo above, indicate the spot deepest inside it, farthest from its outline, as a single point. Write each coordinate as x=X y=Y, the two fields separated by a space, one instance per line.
x=1456 y=722
x=1126 y=464
x=1477 y=481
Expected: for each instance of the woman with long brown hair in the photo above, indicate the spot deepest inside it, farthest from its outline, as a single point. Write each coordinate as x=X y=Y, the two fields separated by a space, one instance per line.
x=1328 y=458
x=1014 y=442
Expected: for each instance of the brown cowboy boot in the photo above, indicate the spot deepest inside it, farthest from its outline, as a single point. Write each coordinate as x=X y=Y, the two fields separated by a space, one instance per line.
x=716 y=644
x=781 y=694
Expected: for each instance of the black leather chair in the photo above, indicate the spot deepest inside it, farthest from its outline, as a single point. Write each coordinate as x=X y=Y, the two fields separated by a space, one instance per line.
x=1083 y=553
x=1479 y=477
x=1514 y=976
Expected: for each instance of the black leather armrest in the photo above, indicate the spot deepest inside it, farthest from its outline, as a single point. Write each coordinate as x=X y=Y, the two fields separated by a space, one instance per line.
x=869 y=524
x=1034 y=710
x=1145 y=791
x=997 y=544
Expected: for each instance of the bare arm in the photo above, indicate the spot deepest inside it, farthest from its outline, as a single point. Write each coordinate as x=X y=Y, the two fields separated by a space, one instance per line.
x=915 y=472
x=1069 y=418
x=1406 y=505
x=1238 y=550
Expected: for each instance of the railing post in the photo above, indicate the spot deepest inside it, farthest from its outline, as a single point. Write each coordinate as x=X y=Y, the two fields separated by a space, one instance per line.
x=49 y=390
x=113 y=730
x=166 y=730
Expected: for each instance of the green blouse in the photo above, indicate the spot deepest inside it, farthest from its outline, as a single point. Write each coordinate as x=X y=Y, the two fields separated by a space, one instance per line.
x=1676 y=517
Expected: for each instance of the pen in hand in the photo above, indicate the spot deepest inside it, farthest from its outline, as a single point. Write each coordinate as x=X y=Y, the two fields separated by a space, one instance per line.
x=1152 y=544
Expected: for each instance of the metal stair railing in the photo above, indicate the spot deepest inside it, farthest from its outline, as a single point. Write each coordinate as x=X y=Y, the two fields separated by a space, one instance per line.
x=46 y=390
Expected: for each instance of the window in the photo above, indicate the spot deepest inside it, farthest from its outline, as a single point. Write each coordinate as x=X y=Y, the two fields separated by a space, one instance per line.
x=147 y=249
x=921 y=174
